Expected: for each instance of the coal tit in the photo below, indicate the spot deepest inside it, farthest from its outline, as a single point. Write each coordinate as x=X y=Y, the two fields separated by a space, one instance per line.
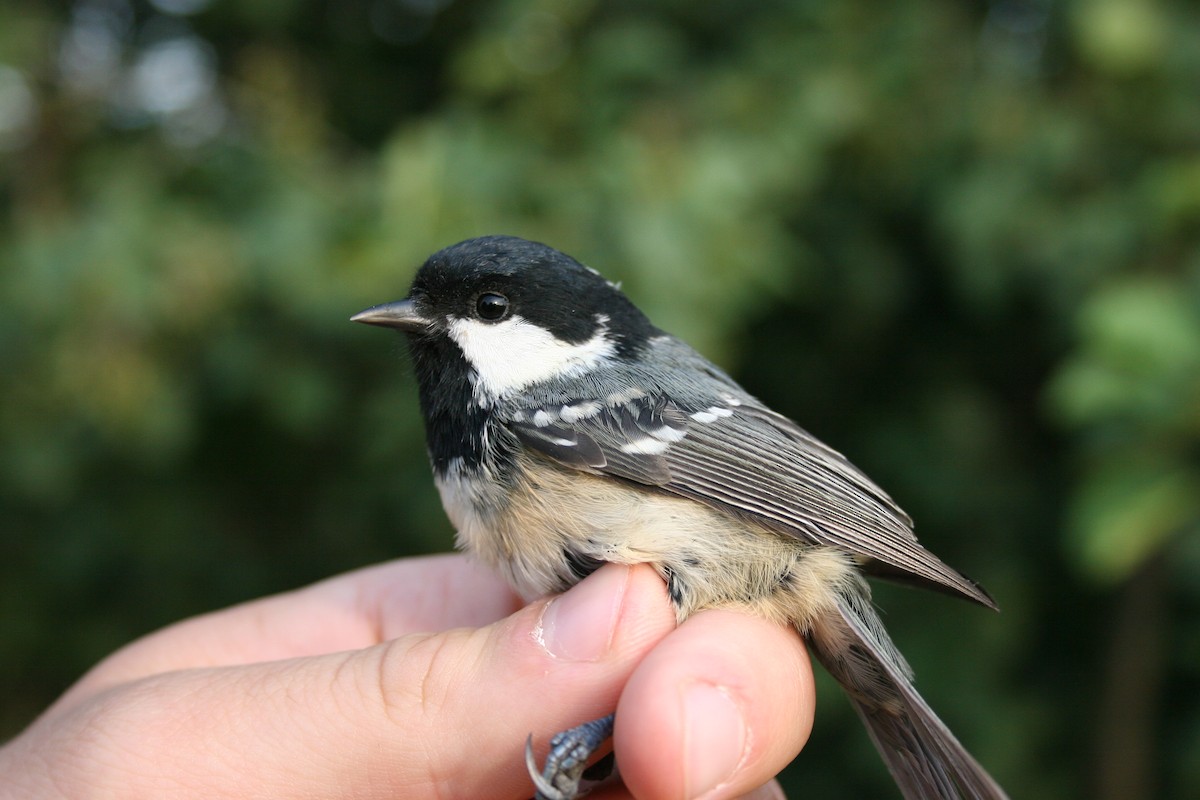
x=565 y=431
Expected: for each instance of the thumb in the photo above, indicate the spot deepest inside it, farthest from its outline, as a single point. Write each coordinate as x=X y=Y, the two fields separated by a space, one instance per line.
x=442 y=715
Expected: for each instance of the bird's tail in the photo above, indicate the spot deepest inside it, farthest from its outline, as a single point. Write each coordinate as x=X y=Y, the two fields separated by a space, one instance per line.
x=925 y=759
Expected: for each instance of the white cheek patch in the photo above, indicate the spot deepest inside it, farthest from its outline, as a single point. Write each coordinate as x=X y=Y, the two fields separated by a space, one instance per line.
x=511 y=355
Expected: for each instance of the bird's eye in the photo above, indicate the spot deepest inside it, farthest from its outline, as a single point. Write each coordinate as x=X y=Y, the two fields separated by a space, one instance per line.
x=491 y=306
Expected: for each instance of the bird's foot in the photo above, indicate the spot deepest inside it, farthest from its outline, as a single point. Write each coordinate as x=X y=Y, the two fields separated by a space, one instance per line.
x=567 y=760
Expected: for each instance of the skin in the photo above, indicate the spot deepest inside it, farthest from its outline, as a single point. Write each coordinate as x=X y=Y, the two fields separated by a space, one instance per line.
x=420 y=678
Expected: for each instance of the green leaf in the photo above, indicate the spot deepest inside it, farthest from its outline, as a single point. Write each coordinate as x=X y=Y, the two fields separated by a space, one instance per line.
x=1126 y=511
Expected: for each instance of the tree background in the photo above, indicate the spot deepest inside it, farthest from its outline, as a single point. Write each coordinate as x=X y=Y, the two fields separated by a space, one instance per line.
x=956 y=240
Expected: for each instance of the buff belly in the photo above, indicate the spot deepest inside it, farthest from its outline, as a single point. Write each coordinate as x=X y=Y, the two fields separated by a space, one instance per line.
x=536 y=531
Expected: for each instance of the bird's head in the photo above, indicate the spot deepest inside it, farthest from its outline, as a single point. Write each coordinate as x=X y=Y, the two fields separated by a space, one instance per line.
x=518 y=313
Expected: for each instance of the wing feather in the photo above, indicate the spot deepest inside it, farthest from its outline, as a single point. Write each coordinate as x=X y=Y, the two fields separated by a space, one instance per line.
x=749 y=461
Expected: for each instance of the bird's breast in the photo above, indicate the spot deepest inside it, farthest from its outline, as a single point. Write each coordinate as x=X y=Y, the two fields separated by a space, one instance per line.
x=547 y=529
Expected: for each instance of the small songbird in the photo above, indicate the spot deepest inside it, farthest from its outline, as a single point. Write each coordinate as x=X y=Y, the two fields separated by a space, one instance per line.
x=566 y=431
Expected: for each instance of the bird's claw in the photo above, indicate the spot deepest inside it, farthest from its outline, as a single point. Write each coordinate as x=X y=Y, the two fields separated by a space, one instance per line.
x=565 y=763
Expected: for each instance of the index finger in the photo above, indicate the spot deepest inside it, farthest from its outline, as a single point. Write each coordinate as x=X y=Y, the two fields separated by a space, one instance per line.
x=347 y=612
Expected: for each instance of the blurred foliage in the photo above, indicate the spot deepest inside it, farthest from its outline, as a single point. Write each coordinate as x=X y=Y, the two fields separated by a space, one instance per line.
x=959 y=241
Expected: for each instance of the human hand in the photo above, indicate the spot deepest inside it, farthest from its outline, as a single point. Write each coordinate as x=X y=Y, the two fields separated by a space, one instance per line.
x=422 y=678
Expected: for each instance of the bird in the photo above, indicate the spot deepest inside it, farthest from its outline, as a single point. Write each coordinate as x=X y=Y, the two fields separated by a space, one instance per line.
x=565 y=431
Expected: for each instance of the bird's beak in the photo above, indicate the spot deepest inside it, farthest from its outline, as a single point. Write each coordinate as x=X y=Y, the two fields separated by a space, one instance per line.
x=401 y=314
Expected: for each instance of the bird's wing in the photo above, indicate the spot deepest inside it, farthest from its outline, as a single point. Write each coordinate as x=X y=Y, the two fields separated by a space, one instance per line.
x=741 y=457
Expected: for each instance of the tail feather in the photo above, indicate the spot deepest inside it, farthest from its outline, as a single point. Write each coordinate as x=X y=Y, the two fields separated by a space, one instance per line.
x=925 y=759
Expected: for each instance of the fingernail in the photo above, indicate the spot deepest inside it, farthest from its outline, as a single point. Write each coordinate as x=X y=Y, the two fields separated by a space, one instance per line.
x=716 y=737
x=579 y=625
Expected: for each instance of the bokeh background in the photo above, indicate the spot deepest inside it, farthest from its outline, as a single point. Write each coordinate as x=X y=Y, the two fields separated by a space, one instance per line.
x=958 y=240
